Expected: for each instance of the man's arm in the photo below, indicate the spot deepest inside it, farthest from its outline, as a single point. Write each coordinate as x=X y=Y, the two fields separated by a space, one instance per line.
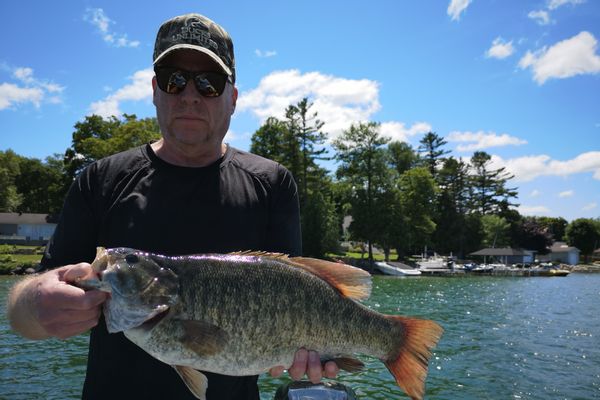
x=46 y=305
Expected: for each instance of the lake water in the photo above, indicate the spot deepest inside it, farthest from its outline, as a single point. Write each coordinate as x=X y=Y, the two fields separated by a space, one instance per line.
x=505 y=338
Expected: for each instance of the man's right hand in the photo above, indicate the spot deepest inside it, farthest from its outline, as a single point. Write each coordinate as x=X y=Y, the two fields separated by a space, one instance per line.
x=48 y=305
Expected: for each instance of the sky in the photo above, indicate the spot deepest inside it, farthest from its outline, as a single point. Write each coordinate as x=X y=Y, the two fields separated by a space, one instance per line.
x=517 y=79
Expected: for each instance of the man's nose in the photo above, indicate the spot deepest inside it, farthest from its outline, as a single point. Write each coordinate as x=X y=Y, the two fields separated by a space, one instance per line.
x=190 y=93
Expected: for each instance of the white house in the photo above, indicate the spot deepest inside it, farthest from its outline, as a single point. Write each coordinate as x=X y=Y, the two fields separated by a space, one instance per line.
x=563 y=253
x=25 y=227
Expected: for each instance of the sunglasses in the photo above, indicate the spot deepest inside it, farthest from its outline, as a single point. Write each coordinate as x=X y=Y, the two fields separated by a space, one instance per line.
x=174 y=80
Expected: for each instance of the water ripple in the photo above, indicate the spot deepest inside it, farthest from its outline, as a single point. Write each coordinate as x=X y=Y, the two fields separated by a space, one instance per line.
x=505 y=338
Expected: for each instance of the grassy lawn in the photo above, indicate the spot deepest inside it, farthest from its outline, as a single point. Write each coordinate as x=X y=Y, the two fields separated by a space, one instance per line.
x=357 y=255
x=12 y=257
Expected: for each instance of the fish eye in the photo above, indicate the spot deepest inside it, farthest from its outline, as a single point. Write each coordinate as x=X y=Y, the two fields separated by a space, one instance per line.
x=132 y=259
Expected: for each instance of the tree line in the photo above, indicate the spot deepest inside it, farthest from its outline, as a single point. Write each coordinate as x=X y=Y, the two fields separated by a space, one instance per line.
x=398 y=197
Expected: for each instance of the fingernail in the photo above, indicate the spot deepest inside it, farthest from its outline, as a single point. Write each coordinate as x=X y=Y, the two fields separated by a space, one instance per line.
x=312 y=356
x=301 y=355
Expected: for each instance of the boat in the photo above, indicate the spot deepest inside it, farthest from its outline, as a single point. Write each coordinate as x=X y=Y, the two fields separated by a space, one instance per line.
x=483 y=268
x=548 y=270
x=432 y=263
x=396 y=269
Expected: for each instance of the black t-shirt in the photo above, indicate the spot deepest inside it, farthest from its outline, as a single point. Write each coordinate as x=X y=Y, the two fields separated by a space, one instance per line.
x=135 y=199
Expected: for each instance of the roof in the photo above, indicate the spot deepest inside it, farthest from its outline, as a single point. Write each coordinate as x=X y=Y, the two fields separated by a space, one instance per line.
x=500 y=251
x=562 y=247
x=23 y=218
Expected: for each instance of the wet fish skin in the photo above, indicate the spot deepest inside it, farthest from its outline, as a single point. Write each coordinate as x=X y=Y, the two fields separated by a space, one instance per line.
x=243 y=314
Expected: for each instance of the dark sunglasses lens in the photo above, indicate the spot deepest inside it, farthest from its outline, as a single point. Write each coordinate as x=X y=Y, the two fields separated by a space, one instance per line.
x=210 y=84
x=170 y=81
x=176 y=83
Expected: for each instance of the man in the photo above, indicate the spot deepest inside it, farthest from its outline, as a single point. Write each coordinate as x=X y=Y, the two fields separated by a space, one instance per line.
x=186 y=193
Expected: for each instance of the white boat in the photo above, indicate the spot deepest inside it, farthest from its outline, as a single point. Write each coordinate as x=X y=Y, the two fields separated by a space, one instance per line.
x=397 y=269
x=433 y=263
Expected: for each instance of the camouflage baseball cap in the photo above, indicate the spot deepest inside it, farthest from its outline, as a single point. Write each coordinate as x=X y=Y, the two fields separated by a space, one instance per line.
x=196 y=32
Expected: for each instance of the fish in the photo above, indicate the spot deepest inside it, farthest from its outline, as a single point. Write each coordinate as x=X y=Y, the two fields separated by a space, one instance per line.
x=243 y=313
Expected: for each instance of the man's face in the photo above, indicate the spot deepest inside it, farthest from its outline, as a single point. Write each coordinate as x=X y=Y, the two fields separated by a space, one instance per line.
x=188 y=120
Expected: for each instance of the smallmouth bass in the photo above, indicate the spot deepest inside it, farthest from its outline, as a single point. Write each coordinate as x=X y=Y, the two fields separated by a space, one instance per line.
x=244 y=313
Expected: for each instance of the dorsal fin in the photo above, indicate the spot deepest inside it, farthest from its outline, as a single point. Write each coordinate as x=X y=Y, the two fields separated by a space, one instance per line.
x=351 y=282
x=281 y=256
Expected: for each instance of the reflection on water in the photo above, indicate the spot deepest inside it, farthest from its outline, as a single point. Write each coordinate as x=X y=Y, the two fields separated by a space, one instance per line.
x=505 y=338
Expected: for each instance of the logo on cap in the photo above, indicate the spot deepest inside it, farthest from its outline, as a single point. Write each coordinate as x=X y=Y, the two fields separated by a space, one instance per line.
x=195 y=31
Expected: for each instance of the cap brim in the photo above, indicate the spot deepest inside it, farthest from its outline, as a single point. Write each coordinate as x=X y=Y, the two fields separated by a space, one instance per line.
x=201 y=49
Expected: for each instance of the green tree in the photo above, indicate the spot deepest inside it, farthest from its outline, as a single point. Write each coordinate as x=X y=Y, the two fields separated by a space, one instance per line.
x=305 y=129
x=532 y=235
x=10 y=199
x=452 y=203
x=417 y=199
x=268 y=142
x=432 y=153
x=584 y=233
x=95 y=138
x=555 y=226
x=402 y=157
x=319 y=226
x=41 y=184
x=489 y=193
x=496 y=230
x=293 y=143
x=363 y=165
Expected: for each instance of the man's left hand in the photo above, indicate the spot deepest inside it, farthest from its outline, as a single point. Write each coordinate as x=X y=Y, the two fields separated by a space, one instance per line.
x=309 y=363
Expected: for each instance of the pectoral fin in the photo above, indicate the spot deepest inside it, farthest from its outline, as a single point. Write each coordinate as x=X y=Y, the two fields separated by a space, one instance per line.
x=195 y=380
x=203 y=338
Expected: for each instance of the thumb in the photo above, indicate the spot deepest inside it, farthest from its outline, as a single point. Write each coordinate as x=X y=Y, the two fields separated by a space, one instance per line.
x=76 y=272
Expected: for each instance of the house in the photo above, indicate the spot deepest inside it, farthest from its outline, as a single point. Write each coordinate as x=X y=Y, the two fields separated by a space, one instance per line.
x=562 y=253
x=25 y=228
x=506 y=255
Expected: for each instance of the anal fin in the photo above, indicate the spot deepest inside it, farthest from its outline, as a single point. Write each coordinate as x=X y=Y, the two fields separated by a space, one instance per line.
x=347 y=363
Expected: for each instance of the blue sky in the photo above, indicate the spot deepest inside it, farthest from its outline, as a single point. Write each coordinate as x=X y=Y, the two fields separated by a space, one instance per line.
x=517 y=79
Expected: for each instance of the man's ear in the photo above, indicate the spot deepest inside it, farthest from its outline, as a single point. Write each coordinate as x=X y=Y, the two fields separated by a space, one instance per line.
x=154 y=86
x=234 y=96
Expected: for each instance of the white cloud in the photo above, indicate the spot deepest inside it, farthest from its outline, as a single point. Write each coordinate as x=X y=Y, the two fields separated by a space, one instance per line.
x=565 y=59
x=265 y=54
x=531 y=167
x=139 y=89
x=589 y=206
x=554 y=4
x=566 y=193
x=542 y=17
x=25 y=74
x=338 y=101
x=456 y=7
x=482 y=140
x=34 y=90
x=533 y=210
x=231 y=136
x=500 y=49
x=100 y=20
x=11 y=94
x=535 y=193
x=398 y=132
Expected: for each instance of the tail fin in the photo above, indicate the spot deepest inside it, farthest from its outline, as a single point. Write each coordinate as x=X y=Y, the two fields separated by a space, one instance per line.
x=409 y=363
